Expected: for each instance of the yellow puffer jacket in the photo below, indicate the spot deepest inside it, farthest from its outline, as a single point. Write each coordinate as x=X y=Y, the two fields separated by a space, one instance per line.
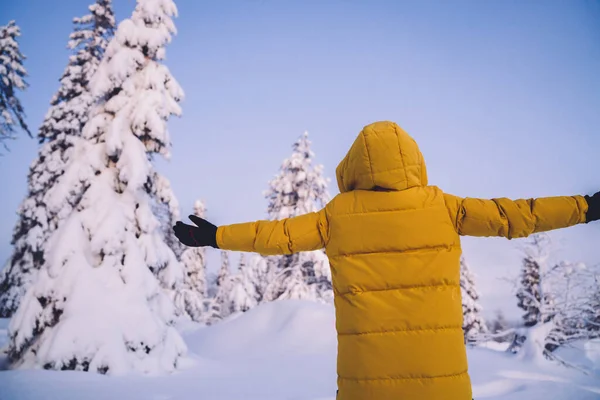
x=394 y=248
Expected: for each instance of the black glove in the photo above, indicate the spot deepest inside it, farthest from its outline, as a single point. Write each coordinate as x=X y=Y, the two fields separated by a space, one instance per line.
x=204 y=234
x=593 y=212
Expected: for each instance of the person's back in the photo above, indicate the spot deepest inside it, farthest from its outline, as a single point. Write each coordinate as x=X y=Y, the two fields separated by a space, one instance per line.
x=394 y=259
x=394 y=249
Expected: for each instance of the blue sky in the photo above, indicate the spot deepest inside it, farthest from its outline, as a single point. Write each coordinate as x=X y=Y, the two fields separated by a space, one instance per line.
x=502 y=97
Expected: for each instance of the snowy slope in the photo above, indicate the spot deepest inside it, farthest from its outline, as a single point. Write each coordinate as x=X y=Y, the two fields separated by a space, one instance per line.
x=286 y=351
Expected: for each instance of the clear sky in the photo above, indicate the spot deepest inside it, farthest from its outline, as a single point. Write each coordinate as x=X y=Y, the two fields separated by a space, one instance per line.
x=503 y=98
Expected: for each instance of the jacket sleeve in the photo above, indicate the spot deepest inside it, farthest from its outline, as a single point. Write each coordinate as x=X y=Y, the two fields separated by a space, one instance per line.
x=514 y=218
x=287 y=236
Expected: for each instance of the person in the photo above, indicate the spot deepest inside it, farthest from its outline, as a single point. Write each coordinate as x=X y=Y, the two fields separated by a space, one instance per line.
x=393 y=243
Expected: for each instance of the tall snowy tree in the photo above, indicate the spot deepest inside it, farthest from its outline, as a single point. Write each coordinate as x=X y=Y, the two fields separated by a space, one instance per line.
x=62 y=126
x=96 y=303
x=473 y=322
x=12 y=74
x=192 y=294
x=299 y=188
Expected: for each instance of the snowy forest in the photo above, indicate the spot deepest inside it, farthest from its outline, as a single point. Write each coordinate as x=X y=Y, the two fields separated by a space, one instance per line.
x=96 y=280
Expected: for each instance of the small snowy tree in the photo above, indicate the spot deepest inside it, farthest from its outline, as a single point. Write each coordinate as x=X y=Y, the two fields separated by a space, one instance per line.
x=499 y=323
x=286 y=280
x=473 y=322
x=219 y=306
x=192 y=295
x=555 y=300
x=500 y=329
x=572 y=286
x=259 y=271
x=531 y=295
x=223 y=284
x=592 y=308
x=560 y=303
x=298 y=189
x=12 y=74
x=295 y=285
x=243 y=291
x=68 y=113
x=223 y=277
x=96 y=303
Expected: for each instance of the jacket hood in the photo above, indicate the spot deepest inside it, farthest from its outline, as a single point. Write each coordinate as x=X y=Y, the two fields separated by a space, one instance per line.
x=383 y=156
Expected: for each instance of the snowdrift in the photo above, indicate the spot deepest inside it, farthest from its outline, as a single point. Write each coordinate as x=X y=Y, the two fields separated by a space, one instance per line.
x=286 y=350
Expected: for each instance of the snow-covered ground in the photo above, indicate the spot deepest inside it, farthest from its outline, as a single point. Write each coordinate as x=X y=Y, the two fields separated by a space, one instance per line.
x=286 y=351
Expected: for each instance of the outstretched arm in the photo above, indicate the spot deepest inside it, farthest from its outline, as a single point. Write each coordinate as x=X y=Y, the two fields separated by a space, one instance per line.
x=519 y=218
x=287 y=236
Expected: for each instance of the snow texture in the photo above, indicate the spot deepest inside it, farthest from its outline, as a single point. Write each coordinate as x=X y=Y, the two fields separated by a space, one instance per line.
x=287 y=350
x=96 y=304
x=60 y=130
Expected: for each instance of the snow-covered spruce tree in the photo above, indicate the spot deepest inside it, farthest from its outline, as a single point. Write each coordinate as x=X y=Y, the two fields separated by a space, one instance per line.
x=96 y=304
x=12 y=74
x=473 y=322
x=243 y=294
x=219 y=306
x=68 y=113
x=223 y=284
x=299 y=188
x=531 y=295
x=191 y=296
x=294 y=284
x=537 y=298
x=258 y=272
